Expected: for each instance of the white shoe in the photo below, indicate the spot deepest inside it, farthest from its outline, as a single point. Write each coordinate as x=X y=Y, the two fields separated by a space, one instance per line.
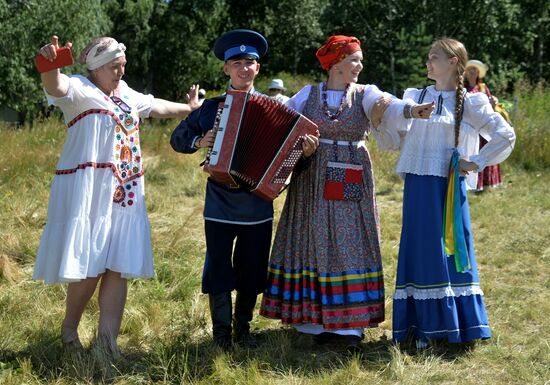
x=421 y=344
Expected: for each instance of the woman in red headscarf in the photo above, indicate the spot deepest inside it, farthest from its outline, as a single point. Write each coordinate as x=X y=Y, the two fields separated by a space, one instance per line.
x=325 y=273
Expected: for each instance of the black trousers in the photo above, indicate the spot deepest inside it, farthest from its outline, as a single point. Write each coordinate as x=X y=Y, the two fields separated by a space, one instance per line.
x=242 y=267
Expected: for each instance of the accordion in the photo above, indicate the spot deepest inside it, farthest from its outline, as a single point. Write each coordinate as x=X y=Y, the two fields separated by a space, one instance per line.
x=258 y=143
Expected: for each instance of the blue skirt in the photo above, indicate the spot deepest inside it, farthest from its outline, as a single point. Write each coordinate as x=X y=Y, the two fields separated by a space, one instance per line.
x=432 y=300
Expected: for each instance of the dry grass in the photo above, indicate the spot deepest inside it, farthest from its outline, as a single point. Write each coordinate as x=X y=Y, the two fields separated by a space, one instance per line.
x=165 y=331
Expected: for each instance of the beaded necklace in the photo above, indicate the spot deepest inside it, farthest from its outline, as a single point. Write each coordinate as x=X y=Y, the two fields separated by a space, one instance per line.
x=325 y=104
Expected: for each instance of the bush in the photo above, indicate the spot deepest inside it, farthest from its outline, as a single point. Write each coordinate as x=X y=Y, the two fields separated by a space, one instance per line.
x=531 y=120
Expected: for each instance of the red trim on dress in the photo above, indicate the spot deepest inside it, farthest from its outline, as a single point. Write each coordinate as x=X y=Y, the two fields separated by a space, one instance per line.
x=101 y=112
x=99 y=165
x=93 y=111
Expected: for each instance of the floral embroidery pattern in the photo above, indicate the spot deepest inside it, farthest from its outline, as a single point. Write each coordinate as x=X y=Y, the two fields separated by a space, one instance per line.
x=127 y=167
x=127 y=155
x=119 y=194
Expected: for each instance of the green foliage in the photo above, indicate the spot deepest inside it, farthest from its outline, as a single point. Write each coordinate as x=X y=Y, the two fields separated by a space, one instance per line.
x=295 y=35
x=133 y=22
x=183 y=37
x=394 y=49
x=531 y=119
x=169 y=42
x=26 y=26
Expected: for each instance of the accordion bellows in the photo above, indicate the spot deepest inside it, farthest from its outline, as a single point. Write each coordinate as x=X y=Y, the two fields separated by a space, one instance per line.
x=258 y=143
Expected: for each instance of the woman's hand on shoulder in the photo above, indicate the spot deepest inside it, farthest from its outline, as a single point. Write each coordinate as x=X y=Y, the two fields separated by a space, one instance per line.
x=493 y=100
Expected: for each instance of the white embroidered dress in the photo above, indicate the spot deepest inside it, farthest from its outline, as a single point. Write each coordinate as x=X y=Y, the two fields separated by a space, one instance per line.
x=97 y=217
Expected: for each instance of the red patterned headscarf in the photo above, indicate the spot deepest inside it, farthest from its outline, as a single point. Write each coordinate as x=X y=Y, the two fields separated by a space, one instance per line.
x=335 y=49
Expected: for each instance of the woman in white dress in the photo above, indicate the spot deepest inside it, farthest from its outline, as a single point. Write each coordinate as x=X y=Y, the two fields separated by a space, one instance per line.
x=97 y=227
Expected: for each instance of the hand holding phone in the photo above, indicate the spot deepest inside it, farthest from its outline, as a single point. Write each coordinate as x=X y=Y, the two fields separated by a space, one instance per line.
x=51 y=56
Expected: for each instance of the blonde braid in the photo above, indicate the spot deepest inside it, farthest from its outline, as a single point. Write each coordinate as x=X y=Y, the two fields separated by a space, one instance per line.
x=459 y=105
x=454 y=48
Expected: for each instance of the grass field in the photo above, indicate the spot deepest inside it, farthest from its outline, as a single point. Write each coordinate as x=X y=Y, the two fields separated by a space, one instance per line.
x=165 y=332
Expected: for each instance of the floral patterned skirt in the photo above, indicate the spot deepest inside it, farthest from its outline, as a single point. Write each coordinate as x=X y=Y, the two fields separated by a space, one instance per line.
x=325 y=266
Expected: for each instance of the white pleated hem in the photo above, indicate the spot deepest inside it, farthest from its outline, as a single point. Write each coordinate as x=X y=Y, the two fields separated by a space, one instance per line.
x=76 y=250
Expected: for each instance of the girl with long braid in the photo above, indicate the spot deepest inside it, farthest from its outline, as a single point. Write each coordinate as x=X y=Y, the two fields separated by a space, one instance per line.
x=438 y=295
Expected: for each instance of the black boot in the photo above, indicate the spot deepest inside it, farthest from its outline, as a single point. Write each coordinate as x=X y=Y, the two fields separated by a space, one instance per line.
x=220 y=311
x=244 y=308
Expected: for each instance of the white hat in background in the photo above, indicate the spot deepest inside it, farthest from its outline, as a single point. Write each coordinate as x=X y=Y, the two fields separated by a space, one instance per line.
x=277 y=84
x=481 y=67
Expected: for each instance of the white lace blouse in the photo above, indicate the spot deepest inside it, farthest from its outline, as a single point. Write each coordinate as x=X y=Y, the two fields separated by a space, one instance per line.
x=426 y=145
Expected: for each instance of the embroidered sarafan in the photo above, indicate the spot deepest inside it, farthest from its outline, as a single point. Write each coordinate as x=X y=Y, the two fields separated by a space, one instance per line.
x=326 y=267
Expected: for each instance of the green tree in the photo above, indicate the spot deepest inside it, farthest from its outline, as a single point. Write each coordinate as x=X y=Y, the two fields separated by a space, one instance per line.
x=534 y=47
x=133 y=22
x=26 y=26
x=169 y=43
x=396 y=36
x=295 y=36
x=182 y=38
x=394 y=49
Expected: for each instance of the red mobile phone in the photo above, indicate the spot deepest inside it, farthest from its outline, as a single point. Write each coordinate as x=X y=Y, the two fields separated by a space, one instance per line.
x=64 y=58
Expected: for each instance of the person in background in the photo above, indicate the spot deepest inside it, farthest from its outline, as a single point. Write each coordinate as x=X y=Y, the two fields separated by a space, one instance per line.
x=475 y=72
x=276 y=89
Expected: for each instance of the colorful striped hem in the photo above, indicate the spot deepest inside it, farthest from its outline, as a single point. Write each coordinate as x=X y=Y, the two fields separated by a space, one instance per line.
x=359 y=315
x=326 y=288
x=349 y=299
